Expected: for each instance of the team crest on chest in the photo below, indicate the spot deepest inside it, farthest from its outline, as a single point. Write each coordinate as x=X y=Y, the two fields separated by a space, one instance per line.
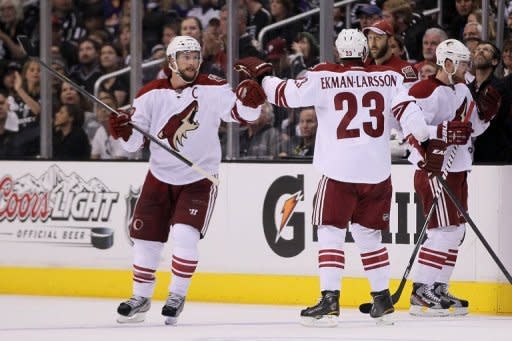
x=176 y=128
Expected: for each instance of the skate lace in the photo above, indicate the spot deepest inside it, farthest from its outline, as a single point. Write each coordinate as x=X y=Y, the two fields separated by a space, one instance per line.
x=443 y=290
x=135 y=301
x=429 y=293
x=174 y=300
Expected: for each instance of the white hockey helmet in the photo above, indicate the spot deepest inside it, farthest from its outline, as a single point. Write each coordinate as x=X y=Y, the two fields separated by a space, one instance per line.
x=182 y=44
x=453 y=50
x=352 y=43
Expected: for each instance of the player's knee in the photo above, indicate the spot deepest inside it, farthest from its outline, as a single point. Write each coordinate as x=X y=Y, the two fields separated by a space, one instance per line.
x=366 y=238
x=184 y=236
x=445 y=237
x=331 y=237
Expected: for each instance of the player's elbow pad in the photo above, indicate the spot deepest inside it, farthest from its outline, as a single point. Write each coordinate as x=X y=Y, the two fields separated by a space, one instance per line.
x=412 y=122
x=247 y=113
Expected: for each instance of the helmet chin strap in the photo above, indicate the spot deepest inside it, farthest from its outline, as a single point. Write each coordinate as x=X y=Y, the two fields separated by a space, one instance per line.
x=177 y=72
x=450 y=74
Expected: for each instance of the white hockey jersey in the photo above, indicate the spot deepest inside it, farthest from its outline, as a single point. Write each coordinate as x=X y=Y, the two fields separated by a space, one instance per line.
x=440 y=102
x=353 y=108
x=187 y=120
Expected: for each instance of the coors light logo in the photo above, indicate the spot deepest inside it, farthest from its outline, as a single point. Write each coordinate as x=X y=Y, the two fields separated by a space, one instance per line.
x=55 y=197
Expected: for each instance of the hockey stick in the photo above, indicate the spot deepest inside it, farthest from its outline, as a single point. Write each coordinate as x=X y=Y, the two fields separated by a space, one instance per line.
x=466 y=216
x=366 y=307
x=29 y=48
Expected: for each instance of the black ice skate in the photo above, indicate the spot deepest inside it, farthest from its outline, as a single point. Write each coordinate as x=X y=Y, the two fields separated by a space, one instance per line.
x=325 y=313
x=133 y=310
x=382 y=306
x=425 y=302
x=172 y=308
x=458 y=307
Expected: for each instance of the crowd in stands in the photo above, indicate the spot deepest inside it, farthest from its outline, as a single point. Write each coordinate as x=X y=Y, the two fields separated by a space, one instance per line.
x=91 y=38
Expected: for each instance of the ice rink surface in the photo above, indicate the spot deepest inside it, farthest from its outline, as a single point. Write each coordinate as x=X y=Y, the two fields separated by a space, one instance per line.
x=76 y=319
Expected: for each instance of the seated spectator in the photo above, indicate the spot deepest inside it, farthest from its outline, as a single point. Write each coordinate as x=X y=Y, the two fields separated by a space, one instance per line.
x=306 y=53
x=110 y=61
x=368 y=14
x=476 y=16
x=507 y=57
x=87 y=71
x=260 y=139
x=427 y=69
x=397 y=46
x=7 y=136
x=169 y=31
x=257 y=17
x=472 y=30
x=303 y=145
x=281 y=10
x=192 y=27
x=432 y=37
x=11 y=25
x=69 y=139
x=277 y=54
x=69 y=95
x=456 y=24
x=203 y=11
x=103 y=145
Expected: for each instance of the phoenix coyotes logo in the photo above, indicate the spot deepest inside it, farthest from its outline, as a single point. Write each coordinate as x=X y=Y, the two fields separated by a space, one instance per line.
x=461 y=113
x=176 y=128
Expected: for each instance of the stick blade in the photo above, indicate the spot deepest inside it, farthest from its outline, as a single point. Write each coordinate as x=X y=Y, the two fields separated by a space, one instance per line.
x=30 y=46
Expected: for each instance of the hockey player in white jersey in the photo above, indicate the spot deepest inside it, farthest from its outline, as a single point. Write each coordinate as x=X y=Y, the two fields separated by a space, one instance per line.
x=353 y=106
x=183 y=111
x=443 y=98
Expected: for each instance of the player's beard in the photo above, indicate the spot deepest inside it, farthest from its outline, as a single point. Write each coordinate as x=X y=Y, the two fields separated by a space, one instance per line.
x=186 y=78
x=381 y=52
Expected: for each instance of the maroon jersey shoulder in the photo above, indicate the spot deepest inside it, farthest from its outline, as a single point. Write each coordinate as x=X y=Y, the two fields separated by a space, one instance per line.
x=329 y=67
x=425 y=88
x=406 y=69
x=204 y=79
x=154 y=85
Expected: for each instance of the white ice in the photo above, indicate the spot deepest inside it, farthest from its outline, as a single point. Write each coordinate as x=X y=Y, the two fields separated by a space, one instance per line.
x=76 y=319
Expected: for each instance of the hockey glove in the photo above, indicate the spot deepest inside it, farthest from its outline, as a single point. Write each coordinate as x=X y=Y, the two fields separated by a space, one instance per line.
x=250 y=93
x=433 y=156
x=253 y=68
x=454 y=132
x=488 y=103
x=119 y=125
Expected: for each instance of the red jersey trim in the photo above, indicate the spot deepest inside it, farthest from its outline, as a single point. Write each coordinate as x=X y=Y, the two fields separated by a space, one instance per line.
x=425 y=88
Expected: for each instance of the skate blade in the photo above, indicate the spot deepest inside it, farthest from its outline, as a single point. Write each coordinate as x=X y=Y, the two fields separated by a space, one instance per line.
x=462 y=311
x=428 y=312
x=385 y=320
x=171 y=321
x=137 y=318
x=326 y=321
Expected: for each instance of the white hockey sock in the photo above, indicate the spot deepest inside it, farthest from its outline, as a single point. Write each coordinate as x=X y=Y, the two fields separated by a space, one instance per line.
x=184 y=258
x=331 y=257
x=374 y=256
x=146 y=256
x=457 y=235
x=434 y=254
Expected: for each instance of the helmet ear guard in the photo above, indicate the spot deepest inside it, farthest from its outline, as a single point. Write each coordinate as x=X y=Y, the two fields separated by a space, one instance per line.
x=352 y=43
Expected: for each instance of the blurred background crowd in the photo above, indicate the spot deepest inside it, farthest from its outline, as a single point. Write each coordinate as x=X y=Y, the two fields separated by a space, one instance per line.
x=91 y=38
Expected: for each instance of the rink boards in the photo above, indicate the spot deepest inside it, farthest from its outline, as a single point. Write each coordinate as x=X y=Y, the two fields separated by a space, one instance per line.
x=63 y=232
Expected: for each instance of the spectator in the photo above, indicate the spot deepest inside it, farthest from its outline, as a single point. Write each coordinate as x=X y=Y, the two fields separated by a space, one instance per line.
x=457 y=23
x=123 y=40
x=88 y=70
x=257 y=17
x=494 y=145
x=103 y=145
x=472 y=30
x=280 y=10
x=25 y=104
x=69 y=28
x=192 y=27
x=427 y=69
x=432 y=37
x=110 y=61
x=397 y=46
x=507 y=57
x=169 y=31
x=367 y=15
x=8 y=78
x=410 y=25
x=306 y=53
x=304 y=145
x=69 y=139
x=11 y=25
x=69 y=95
x=476 y=16
x=260 y=139
x=277 y=54
x=203 y=11
x=7 y=136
